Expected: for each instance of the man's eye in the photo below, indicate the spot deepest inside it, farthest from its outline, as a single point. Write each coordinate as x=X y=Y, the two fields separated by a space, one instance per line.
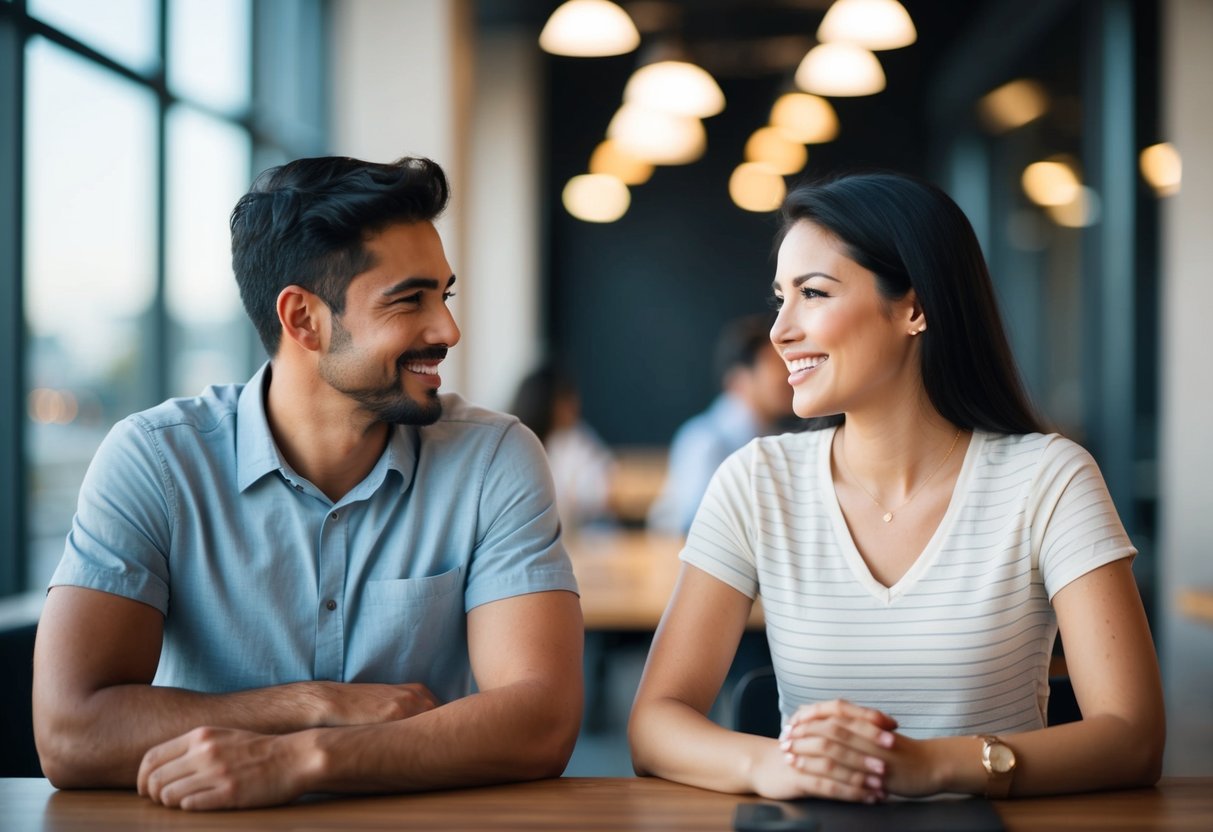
x=415 y=298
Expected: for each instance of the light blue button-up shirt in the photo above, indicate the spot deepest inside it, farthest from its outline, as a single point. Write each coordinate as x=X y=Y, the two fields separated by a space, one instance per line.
x=263 y=580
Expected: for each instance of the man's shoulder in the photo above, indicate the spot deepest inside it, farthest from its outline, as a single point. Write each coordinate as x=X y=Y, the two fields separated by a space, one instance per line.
x=464 y=425
x=460 y=414
x=211 y=410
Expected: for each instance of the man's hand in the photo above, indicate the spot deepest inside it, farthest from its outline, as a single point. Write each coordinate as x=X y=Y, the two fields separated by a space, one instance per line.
x=369 y=704
x=224 y=768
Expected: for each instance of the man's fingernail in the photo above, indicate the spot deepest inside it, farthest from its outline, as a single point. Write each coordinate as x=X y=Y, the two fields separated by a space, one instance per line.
x=885 y=739
x=874 y=764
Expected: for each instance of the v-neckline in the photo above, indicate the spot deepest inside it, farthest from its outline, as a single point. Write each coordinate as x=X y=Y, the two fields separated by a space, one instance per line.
x=850 y=552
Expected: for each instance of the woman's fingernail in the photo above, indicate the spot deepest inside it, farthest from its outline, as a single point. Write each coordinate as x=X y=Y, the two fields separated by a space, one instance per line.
x=874 y=764
x=885 y=739
x=790 y=759
x=872 y=781
x=785 y=745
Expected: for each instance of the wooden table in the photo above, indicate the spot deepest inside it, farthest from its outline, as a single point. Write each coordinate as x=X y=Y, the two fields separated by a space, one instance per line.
x=565 y=804
x=626 y=578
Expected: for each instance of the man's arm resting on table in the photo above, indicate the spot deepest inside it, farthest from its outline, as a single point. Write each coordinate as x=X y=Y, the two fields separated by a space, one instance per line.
x=96 y=713
x=526 y=655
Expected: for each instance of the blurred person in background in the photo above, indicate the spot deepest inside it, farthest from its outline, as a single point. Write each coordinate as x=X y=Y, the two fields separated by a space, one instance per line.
x=755 y=401
x=582 y=465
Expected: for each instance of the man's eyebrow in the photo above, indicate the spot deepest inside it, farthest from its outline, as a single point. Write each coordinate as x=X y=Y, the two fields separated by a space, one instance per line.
x=797 y=281
x=411 y=283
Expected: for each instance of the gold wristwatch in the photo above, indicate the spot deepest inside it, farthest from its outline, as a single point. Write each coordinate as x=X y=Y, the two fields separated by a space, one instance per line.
x=999 y=762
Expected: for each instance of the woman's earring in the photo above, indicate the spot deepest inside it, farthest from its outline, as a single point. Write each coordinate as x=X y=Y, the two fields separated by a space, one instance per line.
x=918 y=331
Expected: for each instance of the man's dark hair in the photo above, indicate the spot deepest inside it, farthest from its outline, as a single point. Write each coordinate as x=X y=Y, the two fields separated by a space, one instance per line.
x=741 y=341
x=911 y=235
x=305 y=223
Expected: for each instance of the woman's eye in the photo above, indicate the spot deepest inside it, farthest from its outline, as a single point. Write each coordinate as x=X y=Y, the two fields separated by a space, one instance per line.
x=447 y=296
x=809 y=294
x=774 y=301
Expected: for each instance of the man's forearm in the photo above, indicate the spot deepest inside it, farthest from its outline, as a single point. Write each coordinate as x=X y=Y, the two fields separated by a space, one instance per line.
x=100 y=741
x=524 y=731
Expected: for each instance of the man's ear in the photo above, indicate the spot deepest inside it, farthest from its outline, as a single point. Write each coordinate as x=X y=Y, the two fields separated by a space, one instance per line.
x=305 y=318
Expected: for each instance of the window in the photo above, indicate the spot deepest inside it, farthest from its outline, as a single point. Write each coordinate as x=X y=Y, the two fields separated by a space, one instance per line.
x=89 y=274
x=116 y=258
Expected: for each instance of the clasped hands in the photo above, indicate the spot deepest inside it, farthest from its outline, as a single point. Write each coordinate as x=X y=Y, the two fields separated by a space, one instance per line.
x=227 y=768
x=844 y=751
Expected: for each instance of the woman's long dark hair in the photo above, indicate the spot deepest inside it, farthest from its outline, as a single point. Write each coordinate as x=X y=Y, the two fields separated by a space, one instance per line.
x=911 y=235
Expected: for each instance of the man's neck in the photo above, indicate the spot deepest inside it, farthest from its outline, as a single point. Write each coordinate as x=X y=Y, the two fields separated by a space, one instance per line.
x=326 y=438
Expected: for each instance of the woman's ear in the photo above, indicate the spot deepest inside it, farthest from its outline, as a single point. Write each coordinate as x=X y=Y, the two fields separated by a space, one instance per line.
x=916 y=319
x=304 y=317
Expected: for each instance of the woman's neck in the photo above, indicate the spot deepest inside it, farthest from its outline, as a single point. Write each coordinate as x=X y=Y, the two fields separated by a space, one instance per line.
x=892 y=452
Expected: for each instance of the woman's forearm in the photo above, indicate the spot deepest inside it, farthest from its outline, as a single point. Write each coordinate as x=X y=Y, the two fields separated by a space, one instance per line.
x=1103 y=752
x=670 y=739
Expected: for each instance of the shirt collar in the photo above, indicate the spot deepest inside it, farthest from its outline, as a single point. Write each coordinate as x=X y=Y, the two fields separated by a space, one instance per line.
x=258 y=455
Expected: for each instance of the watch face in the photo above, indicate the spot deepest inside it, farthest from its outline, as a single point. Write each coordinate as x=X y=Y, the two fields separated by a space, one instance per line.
x=1002 y=759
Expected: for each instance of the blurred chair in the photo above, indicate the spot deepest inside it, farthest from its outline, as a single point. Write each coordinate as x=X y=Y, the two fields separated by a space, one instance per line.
x=18 y=756
x=756 y=703
x=1063 y=704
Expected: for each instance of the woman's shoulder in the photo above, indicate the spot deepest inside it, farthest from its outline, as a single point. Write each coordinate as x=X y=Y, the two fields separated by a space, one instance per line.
x=1044 y=457
x=782 y=451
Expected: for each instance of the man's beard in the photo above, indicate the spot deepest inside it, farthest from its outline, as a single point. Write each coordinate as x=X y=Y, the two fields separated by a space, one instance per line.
x=387 y=402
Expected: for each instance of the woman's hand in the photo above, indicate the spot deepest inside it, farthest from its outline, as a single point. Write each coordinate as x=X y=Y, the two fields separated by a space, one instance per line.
x=830 y=749
x=915 y=767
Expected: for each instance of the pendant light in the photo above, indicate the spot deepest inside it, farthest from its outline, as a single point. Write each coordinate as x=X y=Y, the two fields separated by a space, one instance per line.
x=589 y=29
x=872 y=24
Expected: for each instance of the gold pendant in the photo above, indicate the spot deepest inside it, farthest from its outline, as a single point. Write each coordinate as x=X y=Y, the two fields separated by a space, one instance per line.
x=888 y=517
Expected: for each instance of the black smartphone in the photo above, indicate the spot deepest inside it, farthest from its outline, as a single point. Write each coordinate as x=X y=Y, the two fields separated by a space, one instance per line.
x=773 y=817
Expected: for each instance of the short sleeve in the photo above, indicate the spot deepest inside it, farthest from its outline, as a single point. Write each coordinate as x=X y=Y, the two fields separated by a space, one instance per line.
x=1075 y=527
x=720 y=541
x=121 y=534
x=518 y=548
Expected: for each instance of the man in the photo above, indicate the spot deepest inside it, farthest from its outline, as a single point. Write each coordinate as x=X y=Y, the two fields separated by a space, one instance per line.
x=756 y=400
x=288 y=586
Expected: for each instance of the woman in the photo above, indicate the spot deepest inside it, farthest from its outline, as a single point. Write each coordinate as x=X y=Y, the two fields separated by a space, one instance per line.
x=916 y=557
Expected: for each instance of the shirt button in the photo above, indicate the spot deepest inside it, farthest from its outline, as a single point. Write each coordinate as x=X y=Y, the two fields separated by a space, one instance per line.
x=330 y=605
x=298 y=487
x=333 y=516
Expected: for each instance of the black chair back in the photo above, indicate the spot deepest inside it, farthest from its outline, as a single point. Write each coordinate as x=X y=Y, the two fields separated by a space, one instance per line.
x=18 y=756
x=756 y=703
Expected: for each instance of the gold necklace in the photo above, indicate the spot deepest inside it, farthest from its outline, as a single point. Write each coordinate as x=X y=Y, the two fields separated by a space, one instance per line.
x=888 y=515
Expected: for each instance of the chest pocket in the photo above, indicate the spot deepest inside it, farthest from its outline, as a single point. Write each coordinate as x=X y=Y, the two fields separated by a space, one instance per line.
x=419 y=633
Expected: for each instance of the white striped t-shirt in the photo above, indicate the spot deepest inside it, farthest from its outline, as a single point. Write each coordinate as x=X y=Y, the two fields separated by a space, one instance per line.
x=961 y=644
